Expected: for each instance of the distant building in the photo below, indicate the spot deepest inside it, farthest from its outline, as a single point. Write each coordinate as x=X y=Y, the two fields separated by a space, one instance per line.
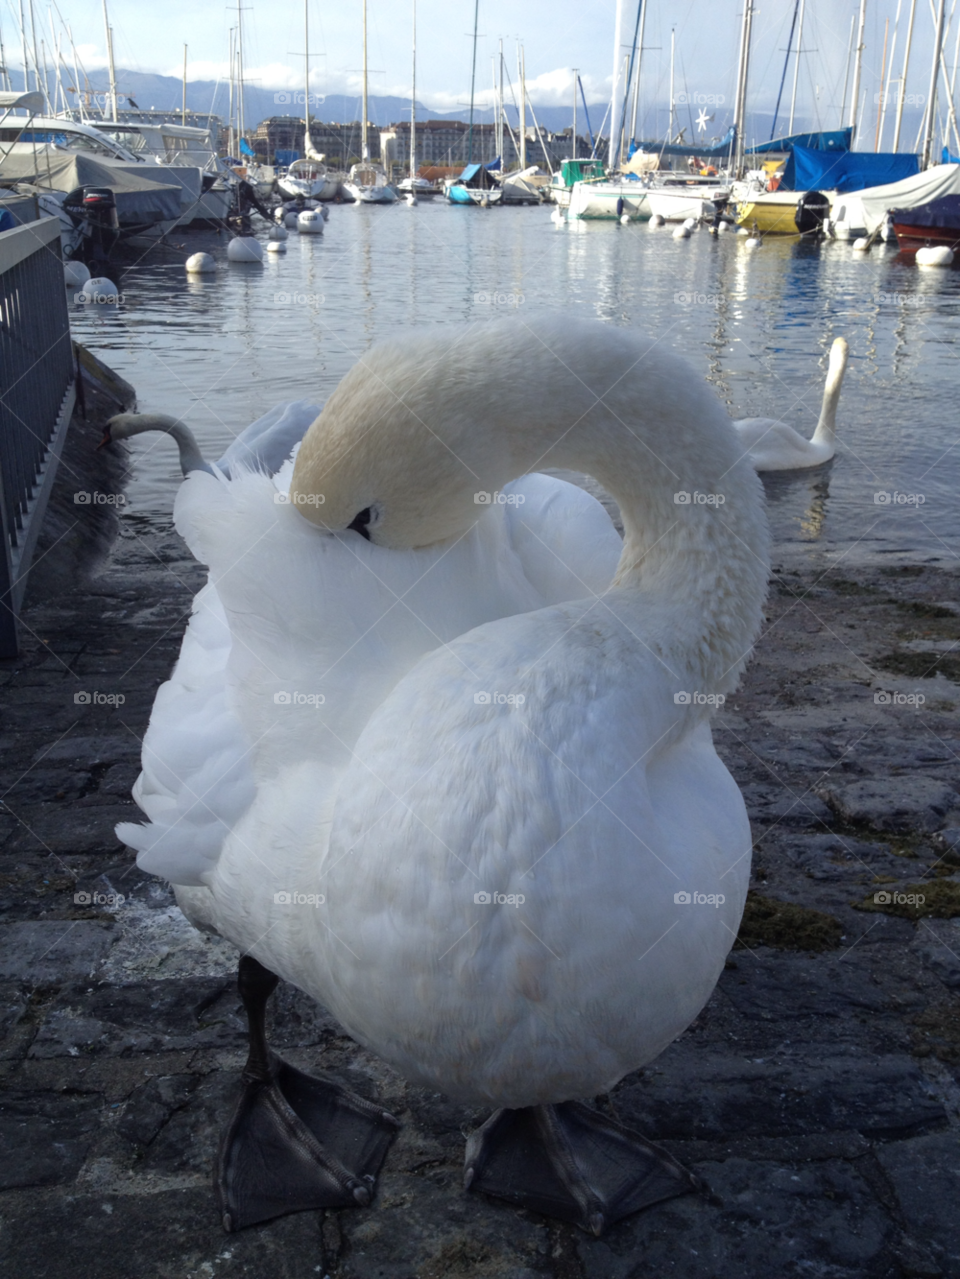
x=448 y=142
x=340 y=143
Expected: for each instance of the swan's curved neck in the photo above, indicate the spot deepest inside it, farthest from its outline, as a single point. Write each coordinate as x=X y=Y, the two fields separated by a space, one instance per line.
x=826 y=432
x=191 y=459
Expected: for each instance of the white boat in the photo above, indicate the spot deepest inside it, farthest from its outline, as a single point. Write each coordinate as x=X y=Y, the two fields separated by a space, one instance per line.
x=419 y=187
x=309 y=178
x=676 y=204
x=367 y=184
x=609 y=199
x=180 y=146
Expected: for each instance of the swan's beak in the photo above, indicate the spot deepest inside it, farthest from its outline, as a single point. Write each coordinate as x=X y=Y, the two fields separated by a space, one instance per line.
x=107 y=439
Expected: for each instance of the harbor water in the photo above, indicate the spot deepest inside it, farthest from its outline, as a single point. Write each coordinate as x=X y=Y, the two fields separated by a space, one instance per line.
x=221 y=350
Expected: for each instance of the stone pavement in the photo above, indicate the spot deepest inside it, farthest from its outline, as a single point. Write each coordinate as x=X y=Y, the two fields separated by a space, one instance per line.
x=817 y=1094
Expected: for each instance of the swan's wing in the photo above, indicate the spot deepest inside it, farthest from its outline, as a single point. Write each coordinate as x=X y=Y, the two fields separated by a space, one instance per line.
x=196 y=781
x=267 y=443
x=581 y=801
x=563 y=537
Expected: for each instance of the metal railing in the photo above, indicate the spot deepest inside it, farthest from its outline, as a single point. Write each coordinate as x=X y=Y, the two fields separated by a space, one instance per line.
x=37 y=392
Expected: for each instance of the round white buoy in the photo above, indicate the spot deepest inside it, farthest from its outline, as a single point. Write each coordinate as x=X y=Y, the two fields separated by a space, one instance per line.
x=861 y=244
x=75 y=274
x=276 y=246
x=754 y=242
x=310 y=222
x=841 y=230
x=200 y=264
x=723 y=227
x=244 y=248
x=290 y=220
x=99 y=289
x=935 y=255
x=742 y=230
x=681 y=232
x=624 y=219
x=277 y=233
x=656 y=221
x=556 y=215
x=690 y=224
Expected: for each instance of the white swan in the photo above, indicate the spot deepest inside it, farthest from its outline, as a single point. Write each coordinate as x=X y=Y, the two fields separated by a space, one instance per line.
x=774 y=446
x=450 y=713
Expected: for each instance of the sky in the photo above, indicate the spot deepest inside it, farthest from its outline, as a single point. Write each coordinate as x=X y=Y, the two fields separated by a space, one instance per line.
x=557 y=35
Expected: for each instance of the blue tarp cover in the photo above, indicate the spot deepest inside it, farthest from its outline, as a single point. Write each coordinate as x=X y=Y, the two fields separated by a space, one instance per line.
x=835 y=140
x=246 y=148
x=947 y=158
x=701 y=152
x=845 y=171
x=943 y=213
x=287 y=157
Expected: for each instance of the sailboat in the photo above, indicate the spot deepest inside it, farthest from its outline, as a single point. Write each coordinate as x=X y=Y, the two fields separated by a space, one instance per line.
x=308 y=177
x=412 y=185
x=367 y=183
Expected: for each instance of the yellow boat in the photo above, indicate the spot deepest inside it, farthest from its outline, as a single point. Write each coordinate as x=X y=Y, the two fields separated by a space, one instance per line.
x=784 y=212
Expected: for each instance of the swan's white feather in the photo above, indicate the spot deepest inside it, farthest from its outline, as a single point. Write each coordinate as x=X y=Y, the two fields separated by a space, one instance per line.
x=775 y=446
x=289 y=611
x=267 y=443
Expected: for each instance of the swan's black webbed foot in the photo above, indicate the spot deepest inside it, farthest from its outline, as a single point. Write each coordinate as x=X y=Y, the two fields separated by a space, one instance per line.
x=572 y=1163
x=293 y=1142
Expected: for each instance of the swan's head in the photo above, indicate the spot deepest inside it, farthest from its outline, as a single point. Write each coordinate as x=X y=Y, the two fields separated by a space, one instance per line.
x=404 y=449
x=123 y=425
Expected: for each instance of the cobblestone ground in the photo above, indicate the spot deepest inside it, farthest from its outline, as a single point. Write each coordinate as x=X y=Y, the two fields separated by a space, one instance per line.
x=817 y=1094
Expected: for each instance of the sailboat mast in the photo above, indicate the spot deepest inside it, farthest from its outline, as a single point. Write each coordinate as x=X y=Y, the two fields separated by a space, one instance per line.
x=23 y=45
x=796 y=68
x=902 y=87
x=230 y=106
x=500 y=114
x=240 y=120
x=364 y=152
x=639 y=60
x=932 y=96
x=673 y=36
x=183 y=112
x=615 y=98
x=113 y=73
x=473 y=80
x=575 y=72
x=883 y=69
x=857 y=66
x=523 y=110
x=413 y=100
x=886 y=88
x=743 y=70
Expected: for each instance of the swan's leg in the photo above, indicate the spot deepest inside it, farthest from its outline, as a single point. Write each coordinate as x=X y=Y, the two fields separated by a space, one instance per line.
x=573 y=1163
x=293 y=1142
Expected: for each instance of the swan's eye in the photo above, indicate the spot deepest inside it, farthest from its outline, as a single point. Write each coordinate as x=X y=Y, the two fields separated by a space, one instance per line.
x=361 y=521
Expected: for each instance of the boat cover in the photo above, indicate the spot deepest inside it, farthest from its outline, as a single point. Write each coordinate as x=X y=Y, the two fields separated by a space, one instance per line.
x=477 y=177
x=845 y=171
x=145 y=193
x=702 y=151
x=911 y=193
x=943 y=213
x=834 y=140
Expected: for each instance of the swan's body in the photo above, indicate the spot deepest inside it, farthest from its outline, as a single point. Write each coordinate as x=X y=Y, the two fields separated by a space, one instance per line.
x=775 y=446
x=398 y=794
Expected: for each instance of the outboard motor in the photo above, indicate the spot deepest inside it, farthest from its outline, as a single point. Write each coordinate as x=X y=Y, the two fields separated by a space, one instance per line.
x=100 y=213
x=812 y=209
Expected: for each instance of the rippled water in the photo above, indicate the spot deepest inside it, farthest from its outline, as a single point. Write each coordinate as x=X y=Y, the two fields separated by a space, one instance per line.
x=221 y=351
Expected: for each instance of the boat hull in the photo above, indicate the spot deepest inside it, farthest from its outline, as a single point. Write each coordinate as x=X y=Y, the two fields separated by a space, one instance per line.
x=912 y=238
x=600 y=200
x=369 y=195
x=467 y=195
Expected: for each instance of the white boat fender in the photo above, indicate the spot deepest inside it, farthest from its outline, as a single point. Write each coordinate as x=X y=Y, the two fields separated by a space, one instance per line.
x=277 y=233
x=200 y=264
x=75 y=274
x=682 y=232
x=244 y=248
x=99 y=289
x=935 y=255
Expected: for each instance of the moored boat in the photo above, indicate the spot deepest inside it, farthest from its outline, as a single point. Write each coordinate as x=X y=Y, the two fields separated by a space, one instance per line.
x=935 y=223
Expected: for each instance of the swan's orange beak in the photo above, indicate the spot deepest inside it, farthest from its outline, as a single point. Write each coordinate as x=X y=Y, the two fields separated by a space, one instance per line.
x=107 y=439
